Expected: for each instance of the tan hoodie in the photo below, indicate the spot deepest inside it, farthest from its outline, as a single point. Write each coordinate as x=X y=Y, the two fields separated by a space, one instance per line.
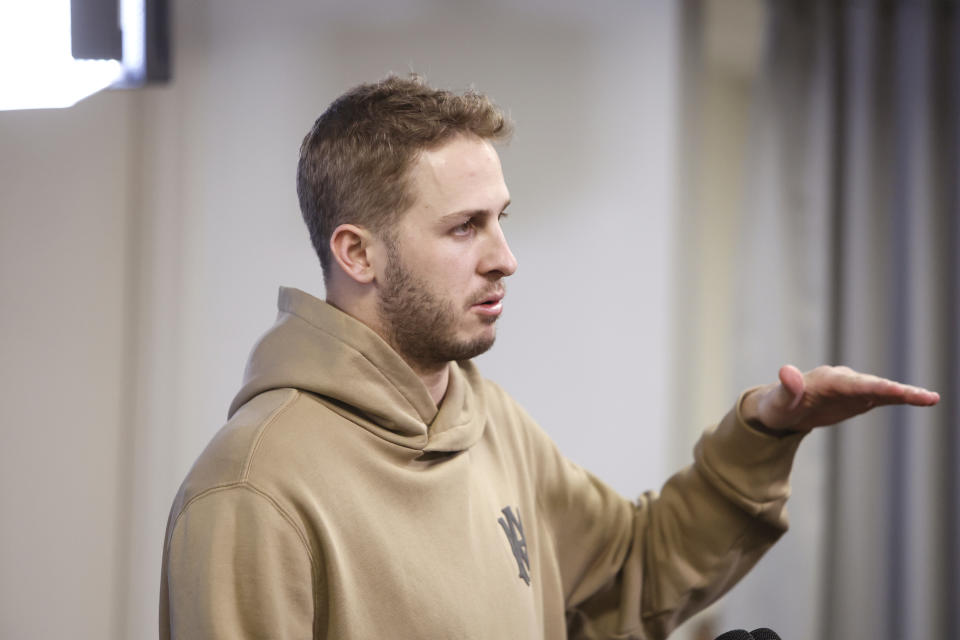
x=340 y=502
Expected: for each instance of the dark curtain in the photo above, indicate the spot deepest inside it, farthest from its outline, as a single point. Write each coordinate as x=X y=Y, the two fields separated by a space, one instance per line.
x=891 y=565
x=849 y=252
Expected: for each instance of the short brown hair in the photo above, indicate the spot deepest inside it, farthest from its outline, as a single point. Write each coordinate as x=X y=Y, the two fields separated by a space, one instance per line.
x=354 y=162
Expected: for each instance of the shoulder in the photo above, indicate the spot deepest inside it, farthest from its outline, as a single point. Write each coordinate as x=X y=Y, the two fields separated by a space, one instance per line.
x=259 y=447
x=226 y=459
x=251 y=472
x=508 y=419
x=499 y=403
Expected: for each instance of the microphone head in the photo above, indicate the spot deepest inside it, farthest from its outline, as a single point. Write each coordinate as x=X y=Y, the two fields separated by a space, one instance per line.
x=764 y=634
x=736 y=634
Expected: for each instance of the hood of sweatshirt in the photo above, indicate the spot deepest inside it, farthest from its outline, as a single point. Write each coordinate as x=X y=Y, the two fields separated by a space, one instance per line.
x=318 y=349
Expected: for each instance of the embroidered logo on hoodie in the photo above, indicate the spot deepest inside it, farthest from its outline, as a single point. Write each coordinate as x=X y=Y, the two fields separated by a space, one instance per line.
x=513 y=527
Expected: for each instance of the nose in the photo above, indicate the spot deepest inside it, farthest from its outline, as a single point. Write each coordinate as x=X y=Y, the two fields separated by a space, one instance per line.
x=499 y=258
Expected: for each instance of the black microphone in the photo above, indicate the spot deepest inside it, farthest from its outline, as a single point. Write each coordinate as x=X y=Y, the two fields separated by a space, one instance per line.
x=757 y=634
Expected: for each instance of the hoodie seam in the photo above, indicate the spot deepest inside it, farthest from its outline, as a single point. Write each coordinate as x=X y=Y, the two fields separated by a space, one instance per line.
x=362 y=354
x=245 y=470
x=249 y=486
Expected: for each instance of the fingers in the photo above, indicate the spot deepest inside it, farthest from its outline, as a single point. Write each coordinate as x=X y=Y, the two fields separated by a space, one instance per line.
x=886 y=391
x=921 y=397
x=844 y=381
x=824 y=396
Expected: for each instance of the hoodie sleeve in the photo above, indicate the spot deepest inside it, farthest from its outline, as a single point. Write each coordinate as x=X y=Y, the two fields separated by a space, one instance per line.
x=637 y=570
x=240 y=570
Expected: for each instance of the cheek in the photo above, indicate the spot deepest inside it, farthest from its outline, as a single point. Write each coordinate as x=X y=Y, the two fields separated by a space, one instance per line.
x=457 y=276
x=451 y=283
x=447 y=268
x=451 y=272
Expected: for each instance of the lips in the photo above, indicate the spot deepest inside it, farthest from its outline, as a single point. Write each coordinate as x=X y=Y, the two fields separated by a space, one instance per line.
x=490 y=303
x=490 y=298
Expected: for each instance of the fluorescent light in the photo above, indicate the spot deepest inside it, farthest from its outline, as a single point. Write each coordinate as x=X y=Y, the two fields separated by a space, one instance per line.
x=37 y=70
x=133 y=24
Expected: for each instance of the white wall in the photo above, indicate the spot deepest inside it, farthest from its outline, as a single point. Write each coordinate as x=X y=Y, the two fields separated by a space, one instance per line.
x=64 y=203
x=189 y=203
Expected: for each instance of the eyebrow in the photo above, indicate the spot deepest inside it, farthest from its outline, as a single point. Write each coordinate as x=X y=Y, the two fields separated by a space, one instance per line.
x=469 y=213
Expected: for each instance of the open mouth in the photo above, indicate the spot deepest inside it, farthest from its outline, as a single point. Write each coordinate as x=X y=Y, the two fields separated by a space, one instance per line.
x=491 y=299
x=491 y=305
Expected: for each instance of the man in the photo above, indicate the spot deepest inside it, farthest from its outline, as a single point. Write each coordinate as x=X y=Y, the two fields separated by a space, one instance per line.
x=370 y=483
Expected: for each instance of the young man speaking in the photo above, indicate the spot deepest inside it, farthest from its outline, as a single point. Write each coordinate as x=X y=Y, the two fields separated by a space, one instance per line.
x=371 y=484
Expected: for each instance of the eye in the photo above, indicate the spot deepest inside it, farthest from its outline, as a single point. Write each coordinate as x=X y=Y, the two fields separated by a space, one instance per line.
x=464 y=228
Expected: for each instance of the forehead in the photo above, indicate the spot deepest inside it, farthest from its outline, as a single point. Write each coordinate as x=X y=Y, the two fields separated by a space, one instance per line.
x=460 y=175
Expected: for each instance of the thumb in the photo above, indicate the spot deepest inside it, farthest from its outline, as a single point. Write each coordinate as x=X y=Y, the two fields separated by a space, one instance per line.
x=792 y=383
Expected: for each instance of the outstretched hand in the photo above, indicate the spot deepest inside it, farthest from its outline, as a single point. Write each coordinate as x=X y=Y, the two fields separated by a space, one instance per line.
x=824 y=396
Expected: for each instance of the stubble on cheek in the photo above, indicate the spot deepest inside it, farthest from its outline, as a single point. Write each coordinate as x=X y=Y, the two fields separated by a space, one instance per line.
x=421 y=326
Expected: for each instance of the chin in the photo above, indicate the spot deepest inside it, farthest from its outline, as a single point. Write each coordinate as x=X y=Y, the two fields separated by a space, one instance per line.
x=472 y=348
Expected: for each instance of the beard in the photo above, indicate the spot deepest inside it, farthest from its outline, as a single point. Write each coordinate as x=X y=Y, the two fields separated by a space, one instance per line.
x=421 y=326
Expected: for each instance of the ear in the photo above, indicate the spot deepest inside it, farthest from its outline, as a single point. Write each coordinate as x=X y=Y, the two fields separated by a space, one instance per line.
x=351 y=248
